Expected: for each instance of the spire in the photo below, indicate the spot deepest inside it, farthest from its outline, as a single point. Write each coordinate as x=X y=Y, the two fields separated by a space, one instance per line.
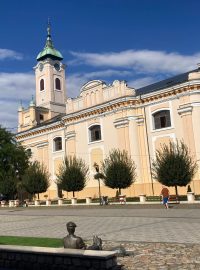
x=20 y=107
x=49 y=42
x=49 y=51
x=32 y=102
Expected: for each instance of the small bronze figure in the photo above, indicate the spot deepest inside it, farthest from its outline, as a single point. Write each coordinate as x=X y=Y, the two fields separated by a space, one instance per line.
x=71 y=240
x=97 y=243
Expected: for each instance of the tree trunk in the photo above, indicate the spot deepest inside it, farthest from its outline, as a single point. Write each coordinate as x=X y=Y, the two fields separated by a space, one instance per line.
x=176 y=190
x=38 y=196
x=119 y=191
x=73 y=194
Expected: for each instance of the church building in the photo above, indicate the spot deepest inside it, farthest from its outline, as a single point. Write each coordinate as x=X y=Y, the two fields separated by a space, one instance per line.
x=106 y=116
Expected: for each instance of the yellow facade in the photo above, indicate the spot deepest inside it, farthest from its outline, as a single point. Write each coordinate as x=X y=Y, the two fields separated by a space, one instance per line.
x=104 y=117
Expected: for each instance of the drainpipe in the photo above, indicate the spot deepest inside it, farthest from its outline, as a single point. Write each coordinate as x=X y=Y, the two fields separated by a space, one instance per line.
x=152 y=187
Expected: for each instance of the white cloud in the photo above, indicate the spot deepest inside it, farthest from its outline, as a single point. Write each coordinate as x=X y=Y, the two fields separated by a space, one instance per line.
x=6 y=53
x=137 y=83
x=17 y=86
x=13 y=88
x=141 y=61
x=123 y=65
x=8 y=114
x=73 y=84
x=75 y=81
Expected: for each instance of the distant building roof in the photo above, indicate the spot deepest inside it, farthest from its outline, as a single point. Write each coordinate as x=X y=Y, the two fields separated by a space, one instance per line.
x=164 y=84
x=52 y=120
x=45 y=123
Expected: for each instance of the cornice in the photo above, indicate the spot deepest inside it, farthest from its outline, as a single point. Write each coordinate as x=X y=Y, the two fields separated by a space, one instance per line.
x=38 y=131
x=121 y=103
x=172 y=94
x=100 y=108
x=109 y=106
x=176 y=88
x=37 y=143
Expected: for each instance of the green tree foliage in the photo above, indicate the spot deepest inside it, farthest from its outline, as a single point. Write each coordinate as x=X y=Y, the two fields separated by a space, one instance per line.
x=36 y=179
x=14 y=160
x=173 y=165
x=8 y=186
x=72 y=175
x=119 y=170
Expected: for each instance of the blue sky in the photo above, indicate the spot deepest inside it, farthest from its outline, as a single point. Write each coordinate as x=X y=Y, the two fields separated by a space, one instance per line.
x=140 y=41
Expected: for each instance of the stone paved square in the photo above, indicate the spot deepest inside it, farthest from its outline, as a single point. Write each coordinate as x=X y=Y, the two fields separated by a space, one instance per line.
x=149 y=231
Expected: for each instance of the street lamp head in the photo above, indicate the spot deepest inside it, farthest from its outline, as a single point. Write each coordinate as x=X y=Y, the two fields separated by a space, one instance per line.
x=96 y=166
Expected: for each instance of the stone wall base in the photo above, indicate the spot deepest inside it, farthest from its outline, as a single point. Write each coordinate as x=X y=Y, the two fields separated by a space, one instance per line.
x=38 y=258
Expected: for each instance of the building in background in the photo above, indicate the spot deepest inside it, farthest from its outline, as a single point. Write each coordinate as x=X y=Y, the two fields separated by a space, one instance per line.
x=104 y=117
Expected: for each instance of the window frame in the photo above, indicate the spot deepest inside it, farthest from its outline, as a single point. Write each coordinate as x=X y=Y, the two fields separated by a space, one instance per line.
x=91 y=136
x=160 y=119
x=55 y=144
x=57 y=79
x=43 y=85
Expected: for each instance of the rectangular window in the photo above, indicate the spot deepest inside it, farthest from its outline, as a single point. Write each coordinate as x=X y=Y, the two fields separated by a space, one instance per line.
x=95 y=133
x=162 y=119
x=41 y=117
x=58 y=144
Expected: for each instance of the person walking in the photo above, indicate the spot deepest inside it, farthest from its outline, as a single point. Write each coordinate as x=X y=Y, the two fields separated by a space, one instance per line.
x=165 y=196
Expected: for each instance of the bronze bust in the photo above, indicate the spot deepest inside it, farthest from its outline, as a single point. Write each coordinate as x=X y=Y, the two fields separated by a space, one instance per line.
x=71 y=240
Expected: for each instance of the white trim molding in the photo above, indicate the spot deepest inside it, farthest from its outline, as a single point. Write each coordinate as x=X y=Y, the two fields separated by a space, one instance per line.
x=70 y=135
x=140 y=121
x=166 y=107
x=187 y=108
x=40 y=145
x=121 y=122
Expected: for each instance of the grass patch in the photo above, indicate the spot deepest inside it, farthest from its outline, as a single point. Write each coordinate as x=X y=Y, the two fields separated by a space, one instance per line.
x=31 y=241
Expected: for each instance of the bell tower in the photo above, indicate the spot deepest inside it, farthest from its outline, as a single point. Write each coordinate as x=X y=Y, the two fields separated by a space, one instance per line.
x=50 y=78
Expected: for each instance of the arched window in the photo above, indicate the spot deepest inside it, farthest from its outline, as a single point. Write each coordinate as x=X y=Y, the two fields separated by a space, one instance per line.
x=95 y=133
x=162 y=119
x=57 y=144
x=58 y=84
x=41 y=84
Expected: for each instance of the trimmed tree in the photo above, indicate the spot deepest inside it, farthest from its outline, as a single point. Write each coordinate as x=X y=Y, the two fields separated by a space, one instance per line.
x=36 y=179
x=72 y=175
x=173 y=165
x=14 y=160
x=119 y=170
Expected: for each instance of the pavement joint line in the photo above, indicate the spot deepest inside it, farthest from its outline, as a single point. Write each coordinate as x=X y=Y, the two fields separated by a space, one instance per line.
x=129 y=228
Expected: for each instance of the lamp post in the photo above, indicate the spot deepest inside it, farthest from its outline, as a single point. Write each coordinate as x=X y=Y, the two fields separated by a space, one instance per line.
x=96 y=166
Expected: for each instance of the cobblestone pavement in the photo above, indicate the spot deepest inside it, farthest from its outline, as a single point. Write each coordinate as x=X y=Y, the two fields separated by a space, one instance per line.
x=159 y=256
x=159 y=238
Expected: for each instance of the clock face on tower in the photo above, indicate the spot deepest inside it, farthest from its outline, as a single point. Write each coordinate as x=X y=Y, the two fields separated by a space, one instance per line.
x=41 y=66
x=57 y=66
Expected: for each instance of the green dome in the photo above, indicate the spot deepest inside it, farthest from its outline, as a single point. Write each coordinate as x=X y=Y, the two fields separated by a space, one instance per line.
x=49 y=51
x=32 y=102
